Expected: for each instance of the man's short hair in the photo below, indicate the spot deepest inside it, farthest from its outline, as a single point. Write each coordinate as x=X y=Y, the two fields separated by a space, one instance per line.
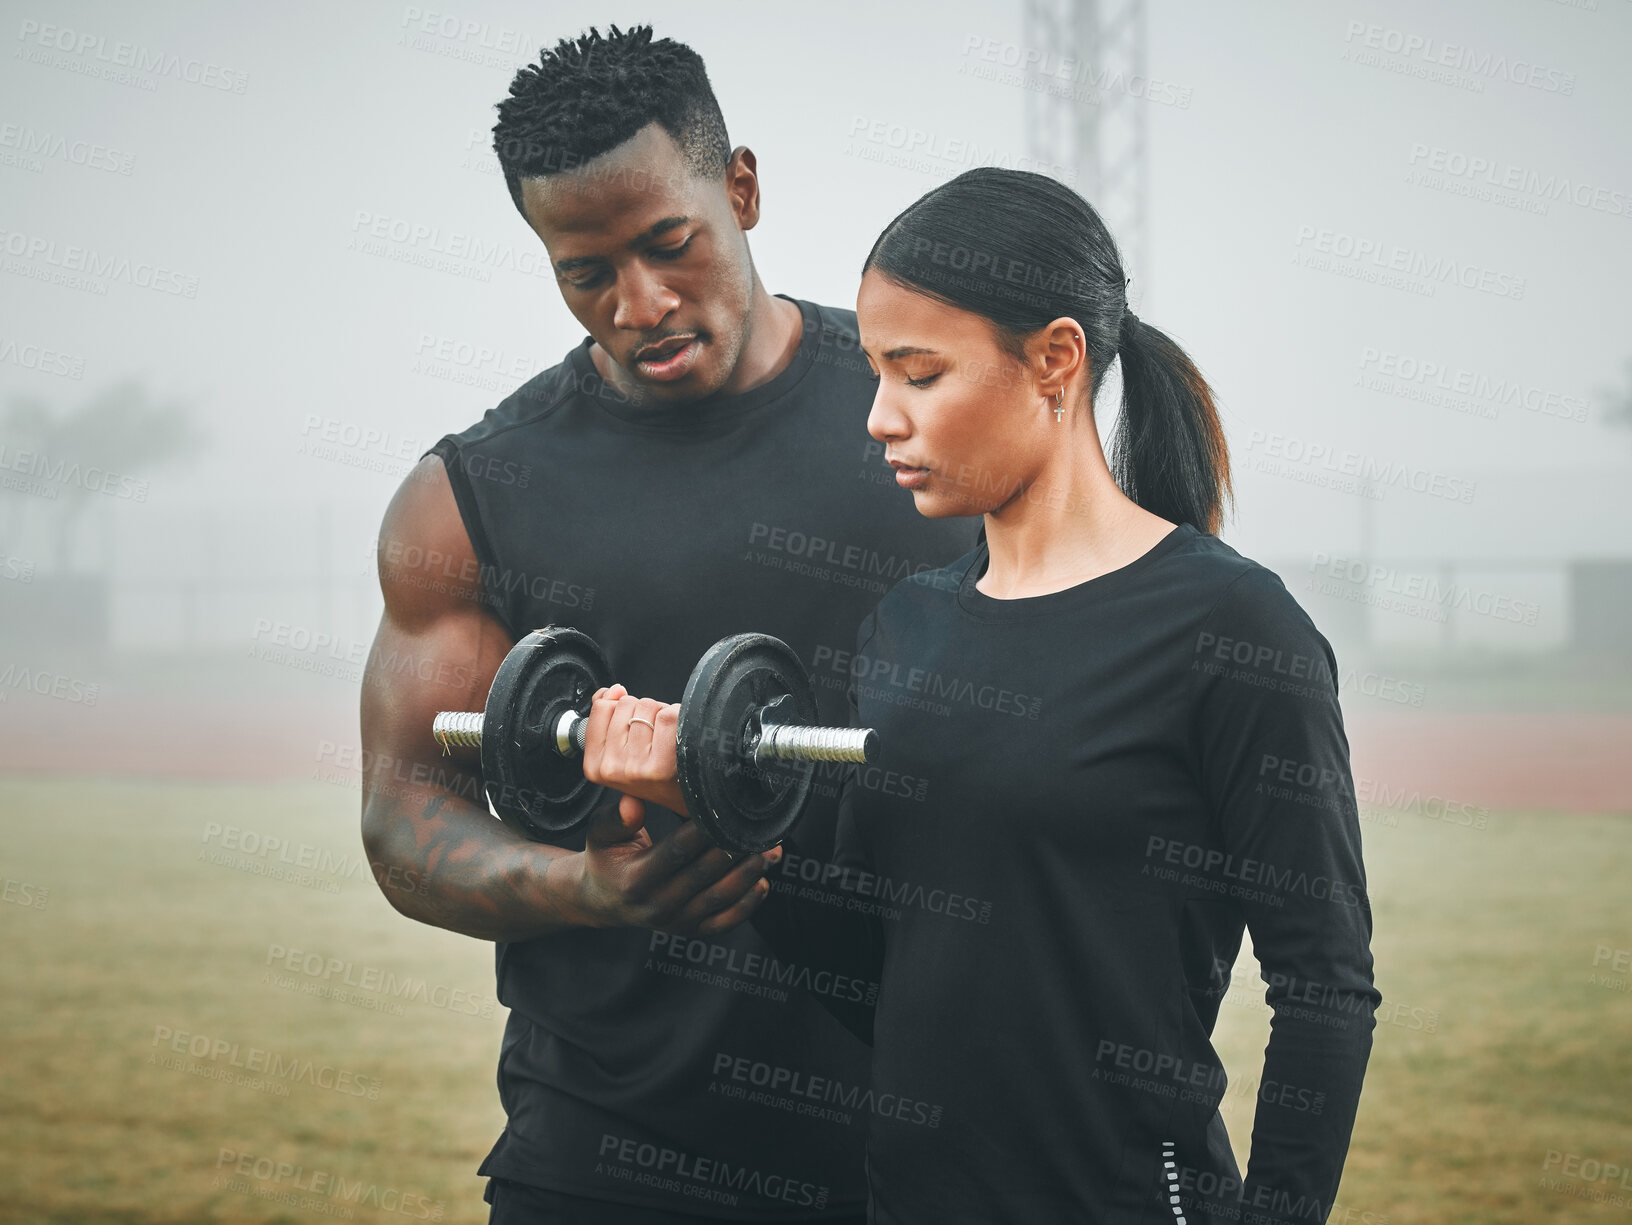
x=592 y=93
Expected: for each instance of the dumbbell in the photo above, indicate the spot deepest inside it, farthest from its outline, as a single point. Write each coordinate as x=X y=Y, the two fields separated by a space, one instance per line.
x=748 y=743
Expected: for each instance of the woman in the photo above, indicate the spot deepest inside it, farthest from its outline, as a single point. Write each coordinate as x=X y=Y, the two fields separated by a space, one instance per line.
x=1133 y=751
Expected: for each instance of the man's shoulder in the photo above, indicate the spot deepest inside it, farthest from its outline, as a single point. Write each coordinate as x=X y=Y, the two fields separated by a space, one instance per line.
x=537 y=400
x=837 y=340
x=832 y=318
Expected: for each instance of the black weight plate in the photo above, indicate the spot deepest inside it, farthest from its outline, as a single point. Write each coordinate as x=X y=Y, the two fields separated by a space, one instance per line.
x=533 y=787
x=743 y=808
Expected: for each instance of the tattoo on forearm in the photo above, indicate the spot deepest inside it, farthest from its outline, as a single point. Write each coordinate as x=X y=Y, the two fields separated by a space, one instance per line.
x=478 y=884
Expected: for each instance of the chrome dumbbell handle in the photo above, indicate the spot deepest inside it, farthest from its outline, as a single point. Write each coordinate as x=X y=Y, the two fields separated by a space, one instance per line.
x=777 y=741
x=790 y=742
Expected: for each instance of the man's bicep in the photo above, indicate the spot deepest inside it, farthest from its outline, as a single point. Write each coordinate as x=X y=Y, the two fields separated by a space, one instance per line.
x=437 y=647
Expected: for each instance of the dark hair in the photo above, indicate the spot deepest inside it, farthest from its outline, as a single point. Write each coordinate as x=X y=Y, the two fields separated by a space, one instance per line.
x=590 y=94
x=1022 y=250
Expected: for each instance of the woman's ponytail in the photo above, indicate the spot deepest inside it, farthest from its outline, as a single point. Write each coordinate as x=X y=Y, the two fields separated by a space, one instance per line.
x=1168 y=452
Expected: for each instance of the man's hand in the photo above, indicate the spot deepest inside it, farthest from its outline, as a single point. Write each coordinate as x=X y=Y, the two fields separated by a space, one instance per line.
x=685 y=884
x=630 y=745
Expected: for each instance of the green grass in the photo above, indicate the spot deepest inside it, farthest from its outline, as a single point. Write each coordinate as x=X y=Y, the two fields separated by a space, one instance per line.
x=1493 y=930
x=137 y=932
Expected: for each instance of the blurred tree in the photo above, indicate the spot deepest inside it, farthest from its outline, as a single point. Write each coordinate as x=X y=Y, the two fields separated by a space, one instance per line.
x=109 y=442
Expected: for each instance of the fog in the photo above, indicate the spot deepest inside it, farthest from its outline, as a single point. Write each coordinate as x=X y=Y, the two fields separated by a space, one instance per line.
x=1392 y=236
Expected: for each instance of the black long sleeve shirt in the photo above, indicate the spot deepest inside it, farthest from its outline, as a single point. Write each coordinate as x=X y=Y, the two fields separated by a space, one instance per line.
x=1082 y=800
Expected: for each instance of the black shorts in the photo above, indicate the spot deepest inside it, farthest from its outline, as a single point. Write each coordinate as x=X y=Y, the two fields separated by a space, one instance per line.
x=518 y=1203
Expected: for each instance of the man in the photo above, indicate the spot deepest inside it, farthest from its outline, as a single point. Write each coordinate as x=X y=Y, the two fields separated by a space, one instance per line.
x=732 y=424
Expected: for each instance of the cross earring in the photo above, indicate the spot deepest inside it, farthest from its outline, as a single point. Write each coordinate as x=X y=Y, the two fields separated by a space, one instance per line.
x=1059 y=405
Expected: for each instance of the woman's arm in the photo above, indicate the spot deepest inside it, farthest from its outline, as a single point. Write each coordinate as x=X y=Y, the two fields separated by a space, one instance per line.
x=1274 y=762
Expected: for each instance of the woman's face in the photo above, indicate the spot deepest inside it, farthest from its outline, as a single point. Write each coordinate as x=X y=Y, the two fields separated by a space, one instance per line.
x=964 y=425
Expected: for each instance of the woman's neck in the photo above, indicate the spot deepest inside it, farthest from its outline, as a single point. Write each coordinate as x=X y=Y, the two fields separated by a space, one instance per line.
x=1070 y=525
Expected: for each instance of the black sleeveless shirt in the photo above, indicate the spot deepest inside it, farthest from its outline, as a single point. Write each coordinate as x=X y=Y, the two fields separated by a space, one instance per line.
x=692 y=1075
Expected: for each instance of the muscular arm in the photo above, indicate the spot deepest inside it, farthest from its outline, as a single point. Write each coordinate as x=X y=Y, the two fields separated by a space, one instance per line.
x=438 y=854
x=425 y=818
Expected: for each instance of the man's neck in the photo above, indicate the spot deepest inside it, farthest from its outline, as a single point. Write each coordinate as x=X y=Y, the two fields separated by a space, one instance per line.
x=775 y=328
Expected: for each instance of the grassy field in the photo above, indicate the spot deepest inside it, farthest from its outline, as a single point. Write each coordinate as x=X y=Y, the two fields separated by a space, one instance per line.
x=137 y=923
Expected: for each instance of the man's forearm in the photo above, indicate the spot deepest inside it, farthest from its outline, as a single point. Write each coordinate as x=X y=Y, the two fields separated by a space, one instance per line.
x=443 y=860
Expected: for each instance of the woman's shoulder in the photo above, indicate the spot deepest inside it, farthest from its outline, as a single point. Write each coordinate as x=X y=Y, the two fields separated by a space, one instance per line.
x=1235 y=597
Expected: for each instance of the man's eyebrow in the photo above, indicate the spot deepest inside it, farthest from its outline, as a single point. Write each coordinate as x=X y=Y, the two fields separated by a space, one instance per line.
x=655 y=230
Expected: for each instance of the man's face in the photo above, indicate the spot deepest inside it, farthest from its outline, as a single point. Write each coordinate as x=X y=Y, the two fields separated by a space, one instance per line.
x=652 y=261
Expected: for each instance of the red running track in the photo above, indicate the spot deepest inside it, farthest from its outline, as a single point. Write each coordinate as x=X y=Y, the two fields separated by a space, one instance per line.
x=1546 y=761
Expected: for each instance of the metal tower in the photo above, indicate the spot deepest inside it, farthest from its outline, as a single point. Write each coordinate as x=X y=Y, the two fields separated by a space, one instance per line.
x=1090 y=114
